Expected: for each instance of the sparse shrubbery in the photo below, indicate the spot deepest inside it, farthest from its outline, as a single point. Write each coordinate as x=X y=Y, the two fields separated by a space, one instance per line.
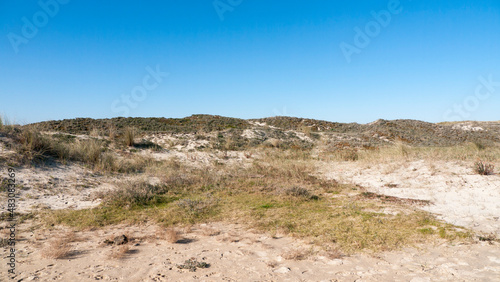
x=198 y=206
x=484 y=168
x=349 y=155
x=107 y=162
x=112 y=132
x=136 y=193
x=33 y=146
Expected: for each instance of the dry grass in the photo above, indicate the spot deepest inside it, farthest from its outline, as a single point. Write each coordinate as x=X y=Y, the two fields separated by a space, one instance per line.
x=170 y=235
x=272 y=264
x=306 y=130
x=297 y=254
x=94 y=132
x=129 y=136
x=34 y=146
x=119 y=252
x=112 y=131
x=59 y=247
x=210 y=231
x=88 y=151
x=332 y=253
x=273 y=142
x=466 y=152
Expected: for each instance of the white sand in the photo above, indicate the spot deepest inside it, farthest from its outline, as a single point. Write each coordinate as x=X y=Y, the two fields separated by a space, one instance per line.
x=237 y=254
x=458 y=195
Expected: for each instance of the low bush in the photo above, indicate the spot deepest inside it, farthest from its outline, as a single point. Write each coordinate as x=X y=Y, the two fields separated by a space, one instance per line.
x=135 y=193
x=483 y=168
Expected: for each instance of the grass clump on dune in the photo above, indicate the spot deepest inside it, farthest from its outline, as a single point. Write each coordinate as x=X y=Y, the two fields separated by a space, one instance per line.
x=129 y=136
x=34 y=147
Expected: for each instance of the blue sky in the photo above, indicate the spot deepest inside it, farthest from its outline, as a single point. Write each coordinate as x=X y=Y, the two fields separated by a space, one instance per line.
x=426 y=60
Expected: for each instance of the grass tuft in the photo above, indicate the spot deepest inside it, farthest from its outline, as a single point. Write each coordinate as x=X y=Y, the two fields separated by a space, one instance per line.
x=483 y=168
x=58 y=248
x=129 y=136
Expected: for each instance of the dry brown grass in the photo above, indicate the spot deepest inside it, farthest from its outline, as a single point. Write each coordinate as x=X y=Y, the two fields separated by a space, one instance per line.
x=119 y=252
x=210 y=231
x=231 y=237
x=59 y=247
x=112 y=132
x=297 y=254
x=332 y=253
x=272 y=264
x=306 y=130
x=129 y=136
x=94 y=132
x=170 y=235
x=273 y=142
x=401 y=152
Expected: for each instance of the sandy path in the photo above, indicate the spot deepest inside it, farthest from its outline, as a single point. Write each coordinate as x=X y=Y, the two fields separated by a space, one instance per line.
x=240 y=255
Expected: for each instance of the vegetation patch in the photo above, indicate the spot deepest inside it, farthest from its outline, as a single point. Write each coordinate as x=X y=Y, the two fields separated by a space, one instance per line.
x=258 y=197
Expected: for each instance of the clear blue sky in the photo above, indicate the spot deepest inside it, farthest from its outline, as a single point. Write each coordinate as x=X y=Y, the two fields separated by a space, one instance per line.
x=251 y=59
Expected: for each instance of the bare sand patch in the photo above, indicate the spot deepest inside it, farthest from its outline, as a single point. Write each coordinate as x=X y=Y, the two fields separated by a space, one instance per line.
x=457 y=194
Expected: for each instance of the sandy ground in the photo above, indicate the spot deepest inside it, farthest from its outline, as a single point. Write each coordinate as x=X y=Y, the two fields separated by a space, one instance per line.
x=57 y=187
x=457 y=194
x=237 y=254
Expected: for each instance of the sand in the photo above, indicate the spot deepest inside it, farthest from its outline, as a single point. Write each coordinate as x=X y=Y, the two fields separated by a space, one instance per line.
x=457 y=194
x=238 y=254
